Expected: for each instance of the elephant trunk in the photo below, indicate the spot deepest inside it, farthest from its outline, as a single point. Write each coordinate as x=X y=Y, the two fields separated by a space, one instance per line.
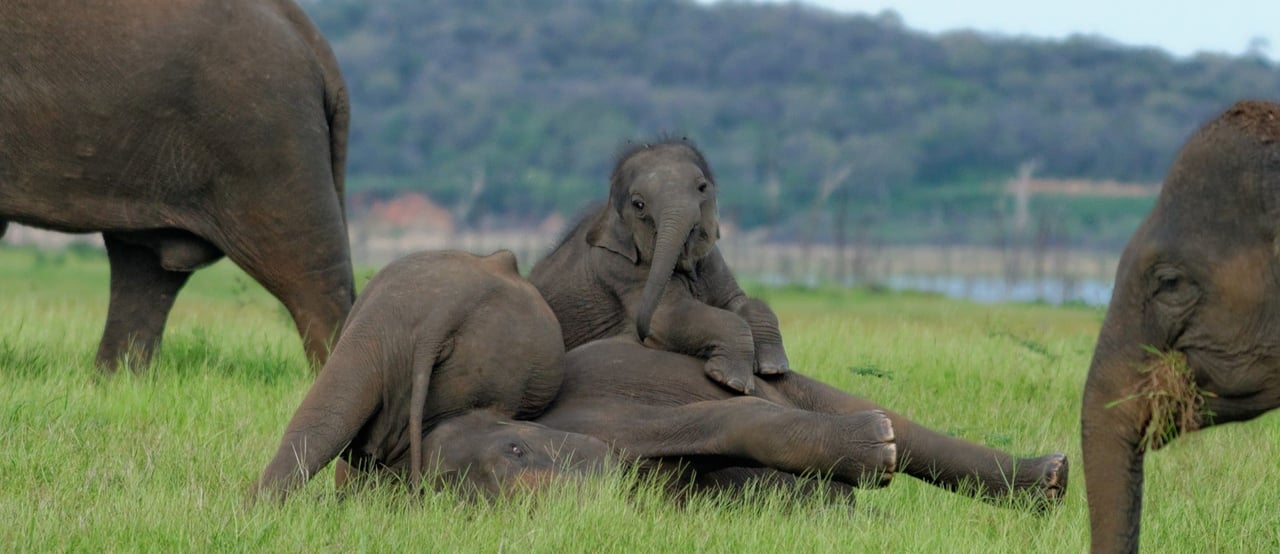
x=1112 y=427
x=674 y=228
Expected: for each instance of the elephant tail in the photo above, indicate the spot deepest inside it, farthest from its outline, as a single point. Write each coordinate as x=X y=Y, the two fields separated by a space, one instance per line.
x=426 y=353
x=337 y=107
x=337 y=103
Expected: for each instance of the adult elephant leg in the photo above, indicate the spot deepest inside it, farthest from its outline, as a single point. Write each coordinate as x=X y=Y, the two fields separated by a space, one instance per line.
x=303 y=259
x=142 y=293
x=857 y=449
x=933 y=457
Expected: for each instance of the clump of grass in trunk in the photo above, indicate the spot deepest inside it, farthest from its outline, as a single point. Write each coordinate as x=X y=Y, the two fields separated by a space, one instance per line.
x=1170 y=396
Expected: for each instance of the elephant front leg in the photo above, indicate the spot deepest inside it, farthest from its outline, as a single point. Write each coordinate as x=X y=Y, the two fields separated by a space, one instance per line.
x=856 y=449
x=142 y=294
x=947 y=462
x=724 y=339
x=771 y=357
x=343 y=398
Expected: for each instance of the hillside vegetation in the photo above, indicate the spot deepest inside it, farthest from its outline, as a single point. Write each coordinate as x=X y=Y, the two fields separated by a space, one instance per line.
x=513 y=109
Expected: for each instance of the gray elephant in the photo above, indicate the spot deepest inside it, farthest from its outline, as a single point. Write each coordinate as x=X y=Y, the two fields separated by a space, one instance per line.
x=624 y=404
x=1190 y=336
x=182 y=132
x=433 y=336
x=416 y=387
x=646 y=264
x=654 y=409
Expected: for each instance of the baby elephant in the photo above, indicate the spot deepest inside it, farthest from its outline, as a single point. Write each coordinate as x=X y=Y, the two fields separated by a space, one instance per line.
x=646 y=264
x=654 y=409
x=434 y=335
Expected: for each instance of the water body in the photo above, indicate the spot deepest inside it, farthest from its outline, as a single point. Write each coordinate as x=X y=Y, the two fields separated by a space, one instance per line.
x=1053 y=290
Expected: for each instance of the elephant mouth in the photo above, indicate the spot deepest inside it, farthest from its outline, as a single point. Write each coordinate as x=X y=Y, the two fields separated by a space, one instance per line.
x=1169 y=398
x=696 y=246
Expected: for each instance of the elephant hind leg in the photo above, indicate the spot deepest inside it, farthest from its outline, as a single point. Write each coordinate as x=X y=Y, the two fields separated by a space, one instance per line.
x=142 y=294
x=856 y=449
x=947 y=462
x=306 y=264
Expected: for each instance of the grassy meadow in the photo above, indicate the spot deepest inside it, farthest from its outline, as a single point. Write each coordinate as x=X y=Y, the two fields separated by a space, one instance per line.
x=161 y=461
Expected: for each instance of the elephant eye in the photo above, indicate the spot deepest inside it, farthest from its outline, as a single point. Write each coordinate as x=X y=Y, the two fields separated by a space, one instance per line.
x=516 y=450
x=638 y=203
x=1173 y=288
x=702 y=187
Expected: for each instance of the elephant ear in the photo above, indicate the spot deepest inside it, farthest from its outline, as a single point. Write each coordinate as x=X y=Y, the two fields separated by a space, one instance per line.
x=608 y=232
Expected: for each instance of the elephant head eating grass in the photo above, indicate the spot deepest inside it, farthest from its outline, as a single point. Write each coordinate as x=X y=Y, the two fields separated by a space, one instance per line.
x=1190 y=339
x=645 y=263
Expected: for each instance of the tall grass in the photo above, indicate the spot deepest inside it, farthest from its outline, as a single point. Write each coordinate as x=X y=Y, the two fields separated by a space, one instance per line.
x=161 y=461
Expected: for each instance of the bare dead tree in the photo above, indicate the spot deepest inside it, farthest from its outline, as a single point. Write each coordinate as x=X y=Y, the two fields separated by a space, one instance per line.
x=839 y=226
x=1013 y=240
x=463 y=211
x=833 y=181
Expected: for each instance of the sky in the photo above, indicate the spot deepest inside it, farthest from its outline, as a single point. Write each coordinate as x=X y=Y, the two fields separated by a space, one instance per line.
x=1181 y=27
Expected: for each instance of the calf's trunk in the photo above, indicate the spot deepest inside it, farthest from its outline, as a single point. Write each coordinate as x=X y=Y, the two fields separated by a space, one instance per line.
x=674 y=228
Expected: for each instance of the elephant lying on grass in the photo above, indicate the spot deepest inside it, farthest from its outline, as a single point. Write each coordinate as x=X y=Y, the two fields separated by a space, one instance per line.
x=1190 y=339
x=646 y=264
x=433 y=336
x=183 y=132
x=453 y=351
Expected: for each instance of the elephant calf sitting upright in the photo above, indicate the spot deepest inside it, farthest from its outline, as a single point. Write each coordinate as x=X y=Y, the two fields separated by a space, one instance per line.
x=609 y=276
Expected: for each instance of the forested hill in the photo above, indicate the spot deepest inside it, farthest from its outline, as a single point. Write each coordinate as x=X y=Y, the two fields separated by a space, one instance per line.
x=532 y=97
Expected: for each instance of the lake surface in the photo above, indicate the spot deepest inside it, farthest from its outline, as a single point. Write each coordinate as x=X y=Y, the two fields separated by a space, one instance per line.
x=1054 y=290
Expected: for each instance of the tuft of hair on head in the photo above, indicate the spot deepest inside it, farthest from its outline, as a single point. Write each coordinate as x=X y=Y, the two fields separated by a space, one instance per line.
x=630 y=148
x=1259 y=118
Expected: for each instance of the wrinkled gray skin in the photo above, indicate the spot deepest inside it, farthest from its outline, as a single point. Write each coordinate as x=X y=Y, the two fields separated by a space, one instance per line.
x=434 y=336
x=1200 y=277
x=646 y=264
x=183 y=132
x=653 y=408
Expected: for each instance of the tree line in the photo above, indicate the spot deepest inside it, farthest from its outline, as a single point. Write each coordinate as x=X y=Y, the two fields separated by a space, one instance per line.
x=515 y=108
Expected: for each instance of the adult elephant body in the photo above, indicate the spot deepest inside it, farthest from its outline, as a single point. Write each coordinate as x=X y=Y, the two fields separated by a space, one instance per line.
x=1190 y=337
x=182 y=131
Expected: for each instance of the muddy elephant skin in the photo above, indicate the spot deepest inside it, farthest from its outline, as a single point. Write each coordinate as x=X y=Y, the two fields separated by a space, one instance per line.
x=183 y=132
x=1192 y=335
x=434 y=336
x=645 y=264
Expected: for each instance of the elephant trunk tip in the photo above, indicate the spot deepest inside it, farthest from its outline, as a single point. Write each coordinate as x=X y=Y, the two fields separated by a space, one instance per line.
x=642 y=324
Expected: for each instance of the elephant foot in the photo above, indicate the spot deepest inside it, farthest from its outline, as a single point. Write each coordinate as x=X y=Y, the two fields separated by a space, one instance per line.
x=872 y=456
x=771 y=359
x=736 y=376
x=1044 y=480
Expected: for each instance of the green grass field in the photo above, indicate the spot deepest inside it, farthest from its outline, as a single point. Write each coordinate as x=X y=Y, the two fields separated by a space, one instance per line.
x=161 y=461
